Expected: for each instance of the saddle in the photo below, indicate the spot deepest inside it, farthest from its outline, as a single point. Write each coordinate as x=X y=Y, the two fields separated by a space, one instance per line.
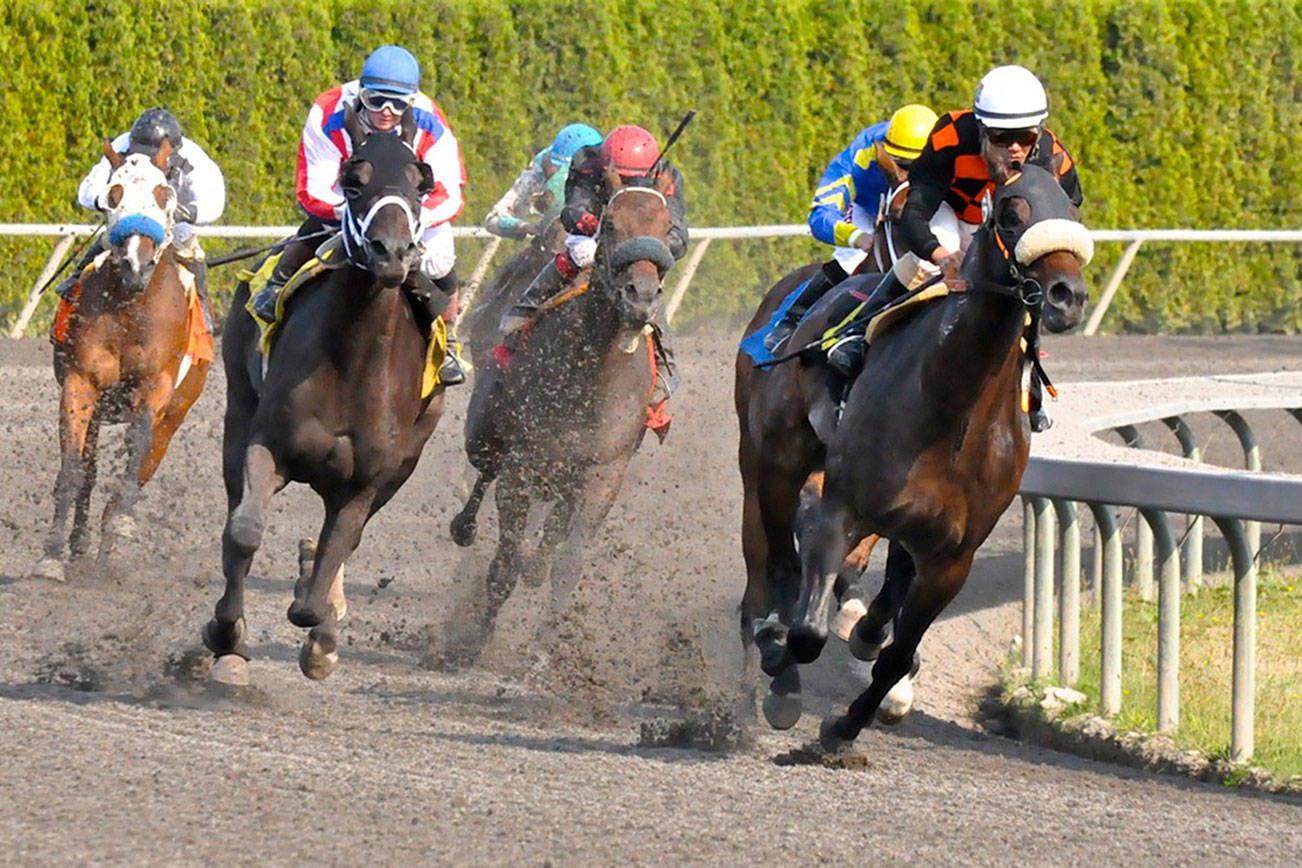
x=330 y=256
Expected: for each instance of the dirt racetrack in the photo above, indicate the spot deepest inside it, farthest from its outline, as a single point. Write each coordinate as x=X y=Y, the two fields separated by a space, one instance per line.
x=536 y=755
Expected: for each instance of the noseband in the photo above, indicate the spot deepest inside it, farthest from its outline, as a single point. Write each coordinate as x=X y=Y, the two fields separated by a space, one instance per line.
x=354 y=230
x=640 y=248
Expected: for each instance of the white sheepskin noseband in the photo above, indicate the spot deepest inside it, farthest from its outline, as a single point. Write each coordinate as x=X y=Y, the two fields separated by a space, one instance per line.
x=1053 y=235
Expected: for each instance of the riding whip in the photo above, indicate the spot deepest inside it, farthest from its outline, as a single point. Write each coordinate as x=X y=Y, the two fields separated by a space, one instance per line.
x=246 y=252
x=74 y=257
x=673 y=137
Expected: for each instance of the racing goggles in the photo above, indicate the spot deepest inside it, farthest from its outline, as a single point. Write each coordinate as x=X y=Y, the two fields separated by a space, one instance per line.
x=1007 y=138
x=379 y=100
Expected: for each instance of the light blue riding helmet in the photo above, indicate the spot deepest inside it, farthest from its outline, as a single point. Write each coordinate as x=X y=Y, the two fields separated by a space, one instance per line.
x=570 y=139
x=391 y=69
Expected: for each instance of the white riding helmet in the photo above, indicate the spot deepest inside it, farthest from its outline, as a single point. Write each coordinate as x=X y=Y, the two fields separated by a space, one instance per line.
x=1010 y=98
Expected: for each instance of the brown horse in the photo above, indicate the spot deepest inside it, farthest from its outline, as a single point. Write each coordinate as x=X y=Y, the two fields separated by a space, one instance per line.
x=934 y=438
x=562 y=421
x=783 y=412
x=339 y=406
x=124 y=357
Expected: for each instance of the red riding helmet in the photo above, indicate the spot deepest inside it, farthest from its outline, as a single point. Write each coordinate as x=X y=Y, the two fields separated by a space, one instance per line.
x=632 y=151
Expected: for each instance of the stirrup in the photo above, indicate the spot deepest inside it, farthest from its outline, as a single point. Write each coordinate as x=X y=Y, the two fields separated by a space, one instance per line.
x=1041 y=421
x=846 y=355
x=451 y=373
x=264 y=301
x=778 y=336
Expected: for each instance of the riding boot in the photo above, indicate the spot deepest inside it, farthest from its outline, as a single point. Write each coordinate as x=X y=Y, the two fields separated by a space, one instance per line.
x=199 y=268
x=452 y=372
x=1040 y=419
x=64 y=289
x=548 y=282
x=824 y=279
x=292 y=258
x=847 y=354
x=666 y=368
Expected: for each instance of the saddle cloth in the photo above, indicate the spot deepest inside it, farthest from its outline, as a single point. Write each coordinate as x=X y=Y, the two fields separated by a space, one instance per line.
x=329 y=257
x=198 y=343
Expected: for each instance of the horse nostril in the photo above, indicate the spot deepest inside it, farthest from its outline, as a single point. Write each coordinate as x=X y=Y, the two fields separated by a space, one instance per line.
x=379 y=248
x=1062 y=295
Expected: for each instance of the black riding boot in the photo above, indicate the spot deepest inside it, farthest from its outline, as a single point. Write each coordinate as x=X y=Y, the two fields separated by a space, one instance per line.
x=548 y=282
x=430 y=299
x=847 y=354
x=824 y=279
x=199 y=269
x=292 y=258
x=451 y=372
x=98 y=246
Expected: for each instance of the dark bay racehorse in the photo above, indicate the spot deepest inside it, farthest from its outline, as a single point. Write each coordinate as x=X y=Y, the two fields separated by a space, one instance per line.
x=339 y=407
x=123 y=358
x=934 y=437
x=560 y=424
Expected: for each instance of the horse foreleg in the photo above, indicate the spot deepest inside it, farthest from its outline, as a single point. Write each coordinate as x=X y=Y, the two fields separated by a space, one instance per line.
x=464 y=526
x=823 y=544
x=504 y=571
x=76 y=411
x=119 y=521
x=79 y=541
x=870 y=633
x=931 y=592
x=224 y=634
x=591 y=504
x=312 y=607
x=171 y=417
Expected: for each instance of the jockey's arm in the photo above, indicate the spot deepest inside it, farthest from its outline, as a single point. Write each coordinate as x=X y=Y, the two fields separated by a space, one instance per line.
x=505 y=218
x=207 y=187
x=583 y=191
x=446 y=202
x=677 y=202
x=929 y=180
x=318 y=170
x=832 y=198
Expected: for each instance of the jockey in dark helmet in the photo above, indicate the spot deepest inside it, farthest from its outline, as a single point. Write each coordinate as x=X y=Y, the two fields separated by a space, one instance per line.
x=387 y=89
x=200 y=191
x=948 y=183
x=518 y=214
x=629 y=153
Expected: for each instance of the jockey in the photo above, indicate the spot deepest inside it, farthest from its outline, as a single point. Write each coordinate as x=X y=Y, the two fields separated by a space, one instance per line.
x=847 y=201
x=200 y=191
x=628 y=154
x=948 y=183
x=388 y=86
x=536 y=197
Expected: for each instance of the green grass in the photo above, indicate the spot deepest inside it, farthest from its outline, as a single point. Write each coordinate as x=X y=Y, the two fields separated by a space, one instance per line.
x=1206 y=648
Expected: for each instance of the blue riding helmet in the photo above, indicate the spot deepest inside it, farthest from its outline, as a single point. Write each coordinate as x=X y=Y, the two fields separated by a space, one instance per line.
x=391 y=69
x=570 y=139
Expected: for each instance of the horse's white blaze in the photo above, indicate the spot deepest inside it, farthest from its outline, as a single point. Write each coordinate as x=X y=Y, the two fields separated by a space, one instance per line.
x=898 y=702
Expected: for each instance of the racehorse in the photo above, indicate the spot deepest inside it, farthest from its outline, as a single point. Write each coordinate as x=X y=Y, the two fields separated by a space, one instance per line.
x=339 y=406
x=782 y=410
x=561 y=422
x=934 y=437
x=123 y=357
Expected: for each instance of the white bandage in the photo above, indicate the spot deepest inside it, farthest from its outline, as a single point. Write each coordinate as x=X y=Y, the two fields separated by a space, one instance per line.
x=439 y=255
x=582 y=248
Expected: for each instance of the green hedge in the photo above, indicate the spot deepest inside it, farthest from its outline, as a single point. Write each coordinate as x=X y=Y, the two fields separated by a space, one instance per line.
x=1181 y=114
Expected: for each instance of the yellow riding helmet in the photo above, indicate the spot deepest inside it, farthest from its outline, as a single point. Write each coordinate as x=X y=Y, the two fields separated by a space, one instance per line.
x=908 y=131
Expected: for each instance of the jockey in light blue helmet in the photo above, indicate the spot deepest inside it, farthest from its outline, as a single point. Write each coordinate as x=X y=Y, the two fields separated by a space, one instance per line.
x=391 y=69
x=569 y=140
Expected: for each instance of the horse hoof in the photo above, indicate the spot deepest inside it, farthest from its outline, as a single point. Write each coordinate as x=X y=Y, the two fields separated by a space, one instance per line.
x=831 y=737
x=463 y=530
x=48 y=568
x=231 y=670
x=315 y=662
x=805 y=645
x=302 y=615
x=121 y=526
x=782 y=711
x=774 y=658
x=897 y=703
x=222 y=639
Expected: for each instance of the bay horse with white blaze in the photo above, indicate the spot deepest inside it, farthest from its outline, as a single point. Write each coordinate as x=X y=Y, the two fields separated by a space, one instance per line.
x=339 y=406
x=934 y=438
x=123 y=357
x=561 y=422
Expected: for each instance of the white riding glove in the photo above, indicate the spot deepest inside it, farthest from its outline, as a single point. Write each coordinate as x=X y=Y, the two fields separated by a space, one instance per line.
x=582 y=249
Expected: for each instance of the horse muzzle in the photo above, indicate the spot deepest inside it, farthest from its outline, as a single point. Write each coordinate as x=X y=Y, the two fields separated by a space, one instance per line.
x=638 y=266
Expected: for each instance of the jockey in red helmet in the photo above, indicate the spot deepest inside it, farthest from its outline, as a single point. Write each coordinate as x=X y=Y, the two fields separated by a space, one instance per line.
x=626 y=158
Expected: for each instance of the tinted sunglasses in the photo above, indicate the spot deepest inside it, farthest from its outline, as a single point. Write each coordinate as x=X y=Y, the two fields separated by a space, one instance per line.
x=1008 y=138
x=376 y=100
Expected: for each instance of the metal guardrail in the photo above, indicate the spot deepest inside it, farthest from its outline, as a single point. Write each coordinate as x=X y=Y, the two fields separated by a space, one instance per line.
x=702 y=237
x=1234 y=501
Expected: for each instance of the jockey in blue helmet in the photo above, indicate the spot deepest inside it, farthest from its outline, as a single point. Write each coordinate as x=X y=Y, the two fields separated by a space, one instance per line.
x=536 y=197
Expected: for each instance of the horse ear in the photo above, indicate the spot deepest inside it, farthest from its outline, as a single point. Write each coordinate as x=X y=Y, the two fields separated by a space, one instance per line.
x=426 y=178
x=408 y=124
x=353 y=125
x=114 y=158
x=164 y=152
x=889 y=167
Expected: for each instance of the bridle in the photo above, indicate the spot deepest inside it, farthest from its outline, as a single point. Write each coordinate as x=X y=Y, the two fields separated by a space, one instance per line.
x=354 y=229
x=637 y=249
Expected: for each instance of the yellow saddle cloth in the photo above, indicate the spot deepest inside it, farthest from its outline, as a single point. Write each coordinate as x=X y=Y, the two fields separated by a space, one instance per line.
x=436 y=347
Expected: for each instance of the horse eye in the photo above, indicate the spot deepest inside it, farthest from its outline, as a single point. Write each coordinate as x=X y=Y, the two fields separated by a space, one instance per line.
x=352 y=192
